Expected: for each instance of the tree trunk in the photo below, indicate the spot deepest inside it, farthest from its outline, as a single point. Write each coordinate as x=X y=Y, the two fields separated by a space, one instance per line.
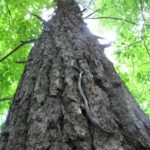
x=66 y=68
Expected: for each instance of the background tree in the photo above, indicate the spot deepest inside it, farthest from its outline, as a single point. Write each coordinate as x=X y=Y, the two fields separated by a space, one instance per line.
x=51 y=84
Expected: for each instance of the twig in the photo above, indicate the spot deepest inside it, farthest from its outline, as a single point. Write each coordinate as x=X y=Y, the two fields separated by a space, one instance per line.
x=89 y=4
x=142 y=31
x=142 y=14
x=9 y=12
x=120 y=19
x=142 y=40
x=83 y=10
x=91 y=14
x=133 y=68
x=6 y=99
x=146 y=48
x=99 y=37
x=106 y=45
x=87 y=7
x=39 y=18
x=142 y=10
x=133 y=44
x=17 y=48
x=21 y=62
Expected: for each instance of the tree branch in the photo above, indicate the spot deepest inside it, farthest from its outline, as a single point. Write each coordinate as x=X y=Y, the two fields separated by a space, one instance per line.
x=9 y=12
x=99 y=37
x=21 y=62
x=120 y=19
x=142 y=40
x=106 y=45
x=133 y=44
x=146 y=47
x=83 y=10
x=91 y=14
x=17 y=48
x=142 y=10
x=90 y=2
x=6 y=99
x=87 y=7
x=39 y=18
x=142 y=31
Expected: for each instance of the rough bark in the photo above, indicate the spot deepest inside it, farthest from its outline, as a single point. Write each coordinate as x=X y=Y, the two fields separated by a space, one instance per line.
x=48 y=112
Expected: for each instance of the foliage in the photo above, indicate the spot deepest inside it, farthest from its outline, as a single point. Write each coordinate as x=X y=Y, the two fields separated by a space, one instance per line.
x=18 y=24
x=132 y=49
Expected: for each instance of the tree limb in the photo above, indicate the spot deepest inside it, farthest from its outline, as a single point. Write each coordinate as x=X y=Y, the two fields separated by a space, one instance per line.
x=39 y=18
x=21 y=62
x=9 y=12
x=91 y=14
x=83 y=10
x=133 y=44
x=6 y=99
x=17 y=48
x=120 y=19
x=90 y=2
x=142 y=10
x=106 y=45
x=87 y=6
x=142 y=31
x=146 y=48
x=99 y=37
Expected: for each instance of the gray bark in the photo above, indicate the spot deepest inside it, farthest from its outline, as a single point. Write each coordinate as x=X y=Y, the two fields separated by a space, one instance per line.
x=48 y=111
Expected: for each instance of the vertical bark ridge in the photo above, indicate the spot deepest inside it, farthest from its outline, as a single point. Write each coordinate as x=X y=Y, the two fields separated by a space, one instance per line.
x=121 y=106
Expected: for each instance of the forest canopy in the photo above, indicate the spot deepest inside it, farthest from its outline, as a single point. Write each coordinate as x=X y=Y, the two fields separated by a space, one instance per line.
x=21 y=23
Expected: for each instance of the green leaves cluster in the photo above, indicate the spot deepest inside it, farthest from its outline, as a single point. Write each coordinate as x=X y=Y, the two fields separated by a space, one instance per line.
x=17 y=24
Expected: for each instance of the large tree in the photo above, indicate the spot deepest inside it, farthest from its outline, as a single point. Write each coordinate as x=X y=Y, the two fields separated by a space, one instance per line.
x=70 y=96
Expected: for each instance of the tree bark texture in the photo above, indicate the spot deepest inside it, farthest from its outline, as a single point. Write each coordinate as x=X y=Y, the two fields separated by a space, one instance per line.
x=48 y=111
